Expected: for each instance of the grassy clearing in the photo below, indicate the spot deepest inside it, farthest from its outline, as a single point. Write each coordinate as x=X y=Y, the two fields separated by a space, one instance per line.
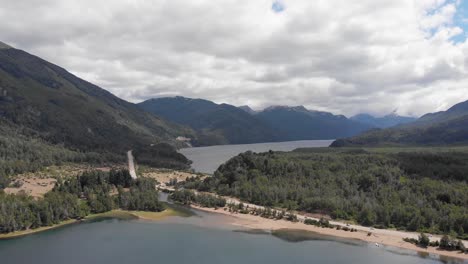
x=155 y=215
x=114 y=214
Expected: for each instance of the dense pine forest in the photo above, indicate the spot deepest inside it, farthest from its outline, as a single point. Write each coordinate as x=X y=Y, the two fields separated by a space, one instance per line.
x=413 y=190
x=75 y=198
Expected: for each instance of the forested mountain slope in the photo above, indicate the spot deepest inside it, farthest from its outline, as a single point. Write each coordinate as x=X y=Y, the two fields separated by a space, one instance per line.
x=443 y=128
x=384 y=121
x=299 y=123
x=43 y=103
x=216 y=123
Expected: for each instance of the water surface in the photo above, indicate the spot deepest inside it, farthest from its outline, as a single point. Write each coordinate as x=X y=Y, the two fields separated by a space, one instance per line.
x=208 y=159
x=179 y=240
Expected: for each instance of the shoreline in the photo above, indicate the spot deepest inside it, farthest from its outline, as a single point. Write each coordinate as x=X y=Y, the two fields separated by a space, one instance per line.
x=379 y=237
x=22 y=233
x=114 y=214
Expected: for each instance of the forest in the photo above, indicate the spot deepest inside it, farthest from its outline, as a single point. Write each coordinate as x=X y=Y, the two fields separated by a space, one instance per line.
x=75 y=198
x=20 y=154
x=411 y=190
x=187 y=197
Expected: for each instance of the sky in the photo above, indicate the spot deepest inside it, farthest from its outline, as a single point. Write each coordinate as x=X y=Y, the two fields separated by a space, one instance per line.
x=341 y=56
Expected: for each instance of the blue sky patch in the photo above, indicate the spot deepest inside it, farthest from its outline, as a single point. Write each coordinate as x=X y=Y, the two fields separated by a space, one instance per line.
x=461 y=20
x=278 y=6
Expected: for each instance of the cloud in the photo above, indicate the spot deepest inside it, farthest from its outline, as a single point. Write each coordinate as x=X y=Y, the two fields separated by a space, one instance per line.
x=341 y=56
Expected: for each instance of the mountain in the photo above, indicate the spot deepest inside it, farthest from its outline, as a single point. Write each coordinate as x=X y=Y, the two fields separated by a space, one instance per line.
x=247 y=109
x=44 y=102
x=441 y=128
x=299 y=123
x=215 y=123
x=383 y=122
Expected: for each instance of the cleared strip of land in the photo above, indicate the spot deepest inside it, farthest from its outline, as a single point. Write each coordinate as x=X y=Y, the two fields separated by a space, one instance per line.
x=131 y=165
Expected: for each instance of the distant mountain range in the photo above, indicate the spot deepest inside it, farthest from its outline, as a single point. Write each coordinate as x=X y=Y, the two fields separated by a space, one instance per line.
x=215 y=124
x=383 y=122
x=41 y=100
x=299 y=123
x=227 y=124
x=442 y=128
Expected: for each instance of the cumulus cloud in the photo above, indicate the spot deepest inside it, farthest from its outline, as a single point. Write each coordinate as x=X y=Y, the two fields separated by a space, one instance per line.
x=341 y=56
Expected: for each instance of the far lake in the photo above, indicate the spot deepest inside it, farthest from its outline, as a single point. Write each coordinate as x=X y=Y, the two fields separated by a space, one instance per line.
x=197 y=239
x=208 y=159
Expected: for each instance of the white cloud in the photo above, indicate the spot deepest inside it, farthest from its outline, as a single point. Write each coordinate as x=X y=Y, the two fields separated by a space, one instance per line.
x=335 y=55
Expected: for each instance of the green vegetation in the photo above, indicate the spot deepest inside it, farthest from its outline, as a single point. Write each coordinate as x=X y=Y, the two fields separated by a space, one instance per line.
x=76 y=198
x=423 y=240
x=442 y=128
x=322 y=222
x=266 y=212
x=448 y=243
x=299 y=123
x=227 y=124
x=215 y=124
x=445 y=243
x=20 y=154
x=383 y=122
x=49 y=116
x=188 y=197
x=417 y=191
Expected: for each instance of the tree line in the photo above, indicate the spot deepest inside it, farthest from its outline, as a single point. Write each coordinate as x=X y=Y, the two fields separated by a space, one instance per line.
x=374 y=189
x=77 y=197
x=445 y=243
x=188 y=197
x=20 y=154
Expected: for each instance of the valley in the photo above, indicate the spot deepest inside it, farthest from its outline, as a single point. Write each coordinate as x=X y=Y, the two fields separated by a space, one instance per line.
x=72 y=152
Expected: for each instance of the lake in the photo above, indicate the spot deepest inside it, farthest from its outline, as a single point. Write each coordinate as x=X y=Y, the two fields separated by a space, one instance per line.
x=208 y=159
x=203 y=238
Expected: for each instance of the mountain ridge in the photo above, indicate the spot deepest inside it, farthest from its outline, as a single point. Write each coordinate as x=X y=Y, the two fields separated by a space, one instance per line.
x=384 y=121
x=441 y=128
x=44 y=100
x=215 y=123
x=299 y=123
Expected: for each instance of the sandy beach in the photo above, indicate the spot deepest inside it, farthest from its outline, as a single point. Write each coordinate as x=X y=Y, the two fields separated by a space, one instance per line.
x=391 y=238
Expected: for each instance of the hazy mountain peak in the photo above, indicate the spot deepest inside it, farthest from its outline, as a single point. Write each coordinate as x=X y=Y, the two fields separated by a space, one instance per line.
x=216 y=123
x=460 y=107
x=299 y=108
x=441 y=128
x=392 y=119
x=4 y=46
x=247 y=109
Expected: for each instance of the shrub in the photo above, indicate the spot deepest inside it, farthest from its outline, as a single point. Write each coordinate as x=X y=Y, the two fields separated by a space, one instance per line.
x=423 y=240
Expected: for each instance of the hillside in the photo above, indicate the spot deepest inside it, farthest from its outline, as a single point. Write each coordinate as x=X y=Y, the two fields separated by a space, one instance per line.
x=215 y=123
x=299 y=123
x=42 y=102
x=384 y=121
x=442 y=128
